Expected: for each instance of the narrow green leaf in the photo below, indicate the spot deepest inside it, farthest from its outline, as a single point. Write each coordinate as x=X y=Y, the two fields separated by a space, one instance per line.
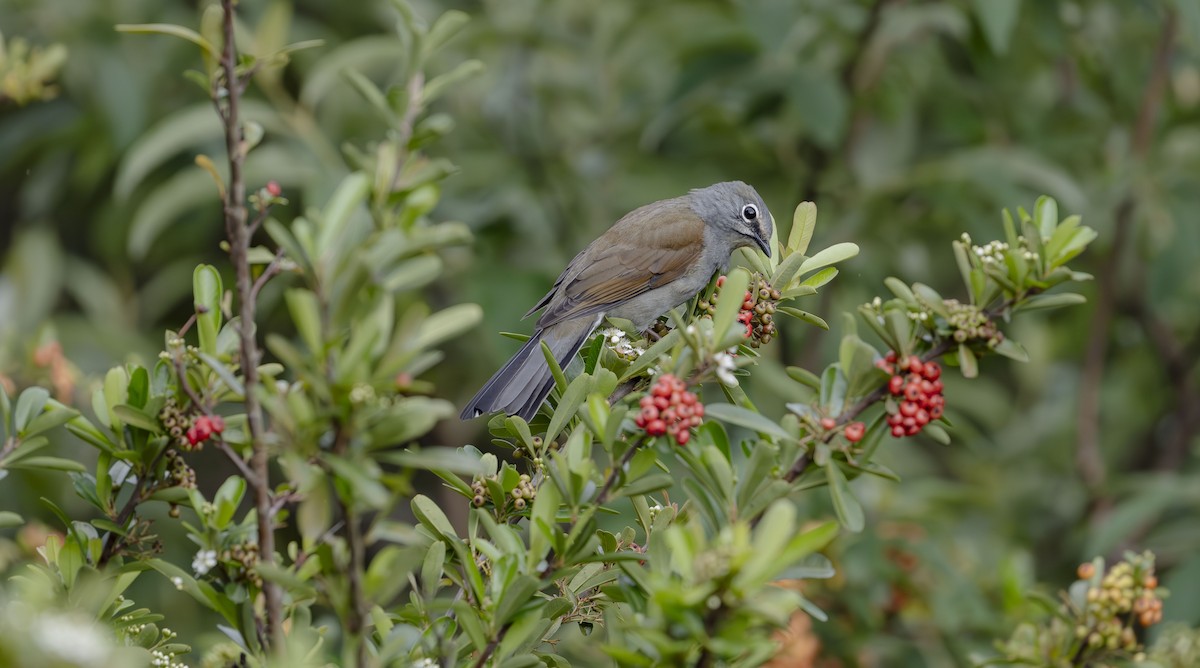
x=430 y=515
x=29 y=405
x=306 y=315
x=849 y=511
x=1045 y=215
x=1012 y=350
x=805 y=316
x=172 y=30
x=207 y=290
x=1058 y=300
x=9 y=519
x=136 y=418
x=571 y=400
x=804 y=222
x=804 y=377
x=730 y=303
x=832 y=255
x=967 y=362
x=746 y=418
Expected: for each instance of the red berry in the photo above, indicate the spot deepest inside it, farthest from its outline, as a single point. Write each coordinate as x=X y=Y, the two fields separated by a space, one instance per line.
x=855 y=431
x=217 y=423
x=897 y=431
x=909 y=422
x=908 y=408
x=646 y=401
x=720 y=281
x=698 y=411
x=661 y=389
x=931 y=371
x=938 y=386
x=683 y=411
x=193 y=436
x=203 y=427
x=656 y=428
x=914 y=364
x=912 y=392
x=912 y=431
x=648 y=414
x=661 y=403
x=896 y=385
x=894 y=419
x=922 y=417
x=683 y=437
x=828 y=423
x=935 y=412
x=927 y=387
x=891 y=356
x=669 y=415
x=273 y=188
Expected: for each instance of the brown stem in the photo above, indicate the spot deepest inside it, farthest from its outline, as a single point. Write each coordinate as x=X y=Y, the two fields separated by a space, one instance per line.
x=113 y=543
x=354 y=540
x=1088 y=455
x=238 y=233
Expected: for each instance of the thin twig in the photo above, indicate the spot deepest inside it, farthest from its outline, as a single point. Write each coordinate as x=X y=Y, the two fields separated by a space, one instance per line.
x=238 y=233
x=272 y=270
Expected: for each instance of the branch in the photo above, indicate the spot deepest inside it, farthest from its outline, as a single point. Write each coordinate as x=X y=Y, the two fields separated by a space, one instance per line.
x=238 y=233
x=1088 y=456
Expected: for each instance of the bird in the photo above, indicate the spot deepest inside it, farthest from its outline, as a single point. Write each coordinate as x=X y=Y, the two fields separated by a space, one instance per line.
x=653 y=259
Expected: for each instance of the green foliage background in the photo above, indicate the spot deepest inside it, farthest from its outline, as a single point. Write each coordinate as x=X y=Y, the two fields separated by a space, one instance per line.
x=907 y=123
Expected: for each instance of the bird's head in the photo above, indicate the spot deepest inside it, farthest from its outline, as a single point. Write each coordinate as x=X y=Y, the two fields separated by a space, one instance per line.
x=737 y=212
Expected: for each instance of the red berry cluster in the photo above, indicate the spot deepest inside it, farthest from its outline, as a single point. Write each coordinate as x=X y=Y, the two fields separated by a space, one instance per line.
x=919 y=390
x=203 y=428
x=670 y=409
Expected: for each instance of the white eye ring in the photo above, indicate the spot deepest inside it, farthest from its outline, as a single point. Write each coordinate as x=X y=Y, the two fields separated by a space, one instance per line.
x=749 y=212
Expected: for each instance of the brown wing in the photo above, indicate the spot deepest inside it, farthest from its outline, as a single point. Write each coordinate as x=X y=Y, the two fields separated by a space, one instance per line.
x=649 y=247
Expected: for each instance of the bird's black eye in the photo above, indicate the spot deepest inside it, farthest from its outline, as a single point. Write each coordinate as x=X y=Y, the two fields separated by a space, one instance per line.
x=749 y=212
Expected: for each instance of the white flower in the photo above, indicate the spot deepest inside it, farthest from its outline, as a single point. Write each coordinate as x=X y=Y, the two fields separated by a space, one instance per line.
x=178 y=582
x=613 y=335
x=425 y=663
x=204 y=561
x=725 y=367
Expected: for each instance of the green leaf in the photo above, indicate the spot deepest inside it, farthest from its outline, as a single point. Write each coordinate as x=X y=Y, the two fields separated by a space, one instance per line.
x=49 y=463
x=444 y=27
x=207 y=291
x=937 y=433
x=571 y=400
x=1058 y=300
x=224 y=373
x=9 y=519
x=306 y=314
x=967 y=362
x=1045 y=215
x=804 y=377
x=518 y=592
x=1012 y=350
x=172 y=30
x=746 y=418
x=832 y=255
x=647 y=484
x=53 y=415
x=730 y=303
x=431 y=517
x=136 y=418
x=29 y=405
x=805 y=316
x=336 y=214
x=446 y=324
x=804 y=221
x=849 y=511
x=227 y=499
x=431 y=569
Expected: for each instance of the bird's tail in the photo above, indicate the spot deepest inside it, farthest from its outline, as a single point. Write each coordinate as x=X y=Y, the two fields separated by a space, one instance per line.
x=522 y=384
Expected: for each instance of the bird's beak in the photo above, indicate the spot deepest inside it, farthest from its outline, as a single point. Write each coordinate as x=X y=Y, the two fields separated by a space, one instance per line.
x=764 y=245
